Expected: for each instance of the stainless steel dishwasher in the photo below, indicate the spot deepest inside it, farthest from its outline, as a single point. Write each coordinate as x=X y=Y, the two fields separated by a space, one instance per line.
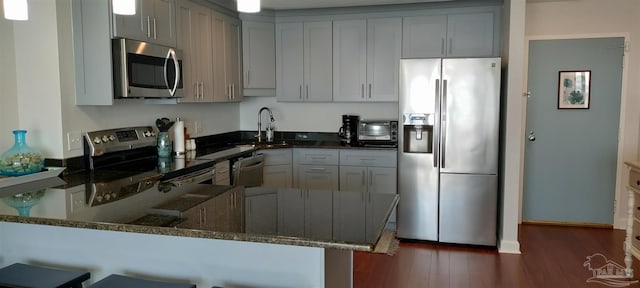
x=247 y=171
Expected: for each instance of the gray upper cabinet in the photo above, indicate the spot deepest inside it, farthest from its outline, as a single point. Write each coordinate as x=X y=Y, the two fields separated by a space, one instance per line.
x=259 y=58
x=227 y=58
x=366 y=54
x=194 y=39
x=452 y=35
x=304 y=61
x=154 y=21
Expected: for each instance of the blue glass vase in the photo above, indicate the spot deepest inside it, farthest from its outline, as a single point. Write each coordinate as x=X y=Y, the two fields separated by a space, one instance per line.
x=164 y=144
x=24 y=201
x=21 y=159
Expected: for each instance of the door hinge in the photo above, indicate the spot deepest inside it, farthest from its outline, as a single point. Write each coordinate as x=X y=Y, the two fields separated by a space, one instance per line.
x=526 y=94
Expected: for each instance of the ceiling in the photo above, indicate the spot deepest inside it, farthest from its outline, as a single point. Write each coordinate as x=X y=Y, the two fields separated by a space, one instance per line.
x=302 y=4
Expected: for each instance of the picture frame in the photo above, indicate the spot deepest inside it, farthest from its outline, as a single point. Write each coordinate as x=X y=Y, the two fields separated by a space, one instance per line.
x=574 y=89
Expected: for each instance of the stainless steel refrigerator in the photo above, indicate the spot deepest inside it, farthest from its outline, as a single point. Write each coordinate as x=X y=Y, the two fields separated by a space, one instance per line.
x=448 y=150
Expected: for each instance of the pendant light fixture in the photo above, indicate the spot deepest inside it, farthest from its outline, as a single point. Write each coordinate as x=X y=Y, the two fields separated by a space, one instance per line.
x=248 y=6
x=124 y=7
x=16 y=9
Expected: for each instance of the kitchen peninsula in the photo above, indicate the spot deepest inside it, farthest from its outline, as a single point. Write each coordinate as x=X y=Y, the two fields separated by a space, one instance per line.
x=258 y=237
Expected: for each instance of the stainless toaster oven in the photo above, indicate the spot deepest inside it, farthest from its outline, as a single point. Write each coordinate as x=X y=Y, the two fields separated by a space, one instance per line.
x=378 y=132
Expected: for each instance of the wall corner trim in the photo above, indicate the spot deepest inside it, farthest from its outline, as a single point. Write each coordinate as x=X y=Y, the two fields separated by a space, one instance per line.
x=509 y=247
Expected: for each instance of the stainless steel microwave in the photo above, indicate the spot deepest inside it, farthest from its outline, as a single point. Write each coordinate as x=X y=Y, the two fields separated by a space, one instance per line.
x=146 y=70
x=378 y=132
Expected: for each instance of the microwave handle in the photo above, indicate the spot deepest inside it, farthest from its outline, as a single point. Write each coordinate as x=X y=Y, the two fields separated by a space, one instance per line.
x=172 y=55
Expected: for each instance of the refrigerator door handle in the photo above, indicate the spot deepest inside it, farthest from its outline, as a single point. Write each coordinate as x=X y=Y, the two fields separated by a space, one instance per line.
x=435 y=139
x=443 y=123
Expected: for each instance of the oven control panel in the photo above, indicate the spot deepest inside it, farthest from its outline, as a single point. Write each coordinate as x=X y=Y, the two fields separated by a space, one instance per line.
x=121 y=139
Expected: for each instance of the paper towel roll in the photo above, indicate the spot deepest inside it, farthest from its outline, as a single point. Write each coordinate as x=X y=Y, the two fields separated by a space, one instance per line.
x=178 y=137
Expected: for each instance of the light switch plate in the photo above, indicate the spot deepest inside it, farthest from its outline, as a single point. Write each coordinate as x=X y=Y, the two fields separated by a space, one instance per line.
x=74 y=140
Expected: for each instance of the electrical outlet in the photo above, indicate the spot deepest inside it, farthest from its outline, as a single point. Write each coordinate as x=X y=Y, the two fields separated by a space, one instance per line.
x=197 y=127
x=74 y=140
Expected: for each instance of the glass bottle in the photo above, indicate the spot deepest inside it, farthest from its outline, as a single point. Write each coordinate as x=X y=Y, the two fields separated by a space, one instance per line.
x=164 y=144
x=21 y=159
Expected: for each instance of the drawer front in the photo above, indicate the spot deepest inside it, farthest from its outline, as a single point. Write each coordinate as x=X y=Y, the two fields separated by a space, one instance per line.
x=635 y=240
x=368 y=158
x=316 y=156
x=634 y=179
x=636 y=206
x=277 y=156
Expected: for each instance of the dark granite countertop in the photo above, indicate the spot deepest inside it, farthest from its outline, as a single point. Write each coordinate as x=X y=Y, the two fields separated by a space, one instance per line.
x=314 y=218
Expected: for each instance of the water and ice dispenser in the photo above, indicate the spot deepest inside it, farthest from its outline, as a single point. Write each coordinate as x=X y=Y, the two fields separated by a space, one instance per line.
x=418 y=133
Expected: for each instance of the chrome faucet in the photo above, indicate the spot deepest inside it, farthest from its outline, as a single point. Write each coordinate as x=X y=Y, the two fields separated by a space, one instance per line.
x=260 y=121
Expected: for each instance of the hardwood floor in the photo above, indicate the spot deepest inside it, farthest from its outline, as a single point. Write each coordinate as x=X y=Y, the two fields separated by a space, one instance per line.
x=552 y=256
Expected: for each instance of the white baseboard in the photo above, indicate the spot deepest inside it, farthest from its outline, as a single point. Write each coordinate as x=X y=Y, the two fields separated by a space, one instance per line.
x=510 y=247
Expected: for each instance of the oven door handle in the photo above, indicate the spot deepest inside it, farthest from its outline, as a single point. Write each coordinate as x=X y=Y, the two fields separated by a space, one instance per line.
x=194 y=177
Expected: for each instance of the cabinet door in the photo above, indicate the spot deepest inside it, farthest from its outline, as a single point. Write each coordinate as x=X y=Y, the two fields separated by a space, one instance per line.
x=470 y=35
x=318 y=72
x=319 y=214
x=383 y=180
x=424 y=36
x=353 y=178
x=220 y=88
x=232 y=58
x=349 y=216
x=259 y=55
x=261 y=214
x=349 y=60
x=318 y=177
x=289 y=61
x=186 y=42
x=202 y=31
x=164 y=22
x=135 y=26
x=277 y=176
x=384 y=44
x=291 y=209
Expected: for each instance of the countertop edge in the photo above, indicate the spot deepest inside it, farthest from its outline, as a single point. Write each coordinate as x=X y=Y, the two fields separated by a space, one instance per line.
x=190 y=233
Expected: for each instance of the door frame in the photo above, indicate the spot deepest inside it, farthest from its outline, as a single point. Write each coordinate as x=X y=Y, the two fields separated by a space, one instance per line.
x=620 y=201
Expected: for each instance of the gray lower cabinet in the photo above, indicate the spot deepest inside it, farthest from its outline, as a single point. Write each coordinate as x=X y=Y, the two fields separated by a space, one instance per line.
x=278 y=168
x=261 y=213
x=369 y=171
x=316 y=168
x=302 y=219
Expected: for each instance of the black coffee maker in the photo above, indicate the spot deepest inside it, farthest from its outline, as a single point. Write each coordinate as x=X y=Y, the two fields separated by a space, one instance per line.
x=349 y=131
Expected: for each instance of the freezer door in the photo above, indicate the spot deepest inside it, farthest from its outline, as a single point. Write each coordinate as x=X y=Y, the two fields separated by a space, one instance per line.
x=468 y=209
x=418 y=188
x=470 y=115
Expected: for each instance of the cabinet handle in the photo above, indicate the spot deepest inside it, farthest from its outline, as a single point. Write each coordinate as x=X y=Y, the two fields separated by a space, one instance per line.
x=148 y=27
x=370 y=178
x=363 y=182
x=369 y=90
x=307 y=91
x=201 y=90
x=442 y=46
x=362 y=91
x=318 y=158
x=196 y=91
x=203 y=215
x=301 y=91
x=318 y=169
x=248 y=77
x=233 y=90
x=450 y=46
x=155 y=31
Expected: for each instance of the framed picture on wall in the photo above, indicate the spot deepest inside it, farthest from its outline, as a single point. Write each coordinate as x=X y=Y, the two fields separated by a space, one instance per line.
x=574 y=89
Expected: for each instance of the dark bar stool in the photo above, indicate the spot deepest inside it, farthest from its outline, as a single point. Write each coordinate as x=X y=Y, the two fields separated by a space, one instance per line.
x=119 y=281
x=20 y=275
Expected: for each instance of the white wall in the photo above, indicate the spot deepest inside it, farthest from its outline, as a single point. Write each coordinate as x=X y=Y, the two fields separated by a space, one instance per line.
x=8 y=93
x=594 y=18
x=317 y=117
